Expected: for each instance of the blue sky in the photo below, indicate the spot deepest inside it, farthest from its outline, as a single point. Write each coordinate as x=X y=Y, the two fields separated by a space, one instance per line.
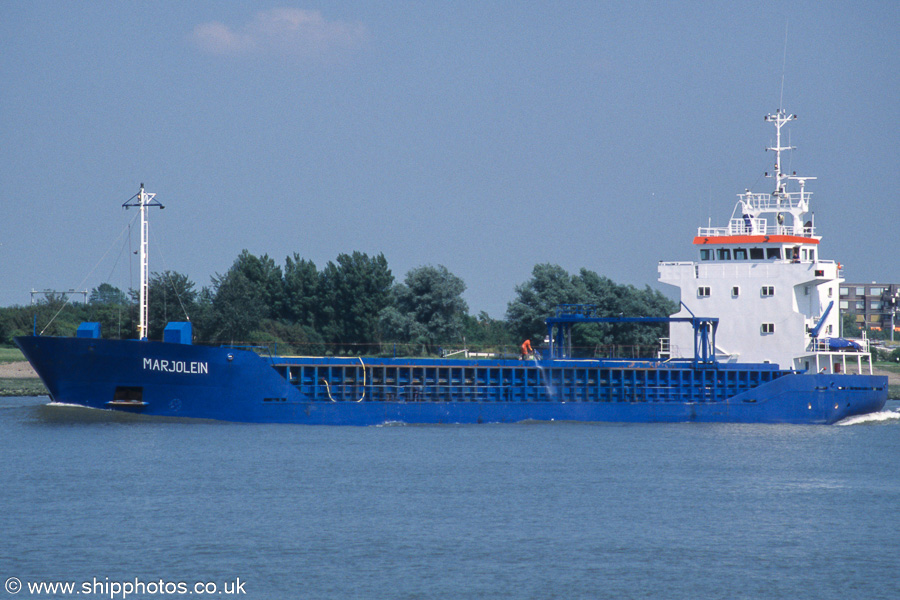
x=483 y=136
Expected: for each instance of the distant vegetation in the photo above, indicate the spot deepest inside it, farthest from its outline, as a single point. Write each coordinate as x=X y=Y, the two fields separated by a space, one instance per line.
x=351 y=306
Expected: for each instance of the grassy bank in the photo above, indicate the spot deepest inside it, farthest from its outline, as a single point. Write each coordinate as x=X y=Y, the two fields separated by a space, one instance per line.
x=22 y=387
x=10 y=354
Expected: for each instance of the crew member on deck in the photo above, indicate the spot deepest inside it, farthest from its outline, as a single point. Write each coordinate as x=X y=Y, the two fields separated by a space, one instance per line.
x=526 y=349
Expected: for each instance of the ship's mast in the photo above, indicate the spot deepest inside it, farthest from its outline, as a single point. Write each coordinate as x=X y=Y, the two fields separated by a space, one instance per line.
x=779 y=118
x=143 y=200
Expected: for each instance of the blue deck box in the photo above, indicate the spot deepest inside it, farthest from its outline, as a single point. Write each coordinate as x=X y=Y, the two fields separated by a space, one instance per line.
x=178 y=332
x=88 y=330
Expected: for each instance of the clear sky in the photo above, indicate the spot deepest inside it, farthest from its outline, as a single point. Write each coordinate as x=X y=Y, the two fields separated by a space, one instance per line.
x=483 y=136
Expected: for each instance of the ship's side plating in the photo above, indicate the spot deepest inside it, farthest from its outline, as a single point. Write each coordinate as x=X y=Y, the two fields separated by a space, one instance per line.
x=165 y=379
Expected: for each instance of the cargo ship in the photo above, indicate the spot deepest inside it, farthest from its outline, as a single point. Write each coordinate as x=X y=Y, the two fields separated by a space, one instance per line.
x=770 y=352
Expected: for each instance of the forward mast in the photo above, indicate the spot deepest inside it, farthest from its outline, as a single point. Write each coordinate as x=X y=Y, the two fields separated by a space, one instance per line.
x=144 y=200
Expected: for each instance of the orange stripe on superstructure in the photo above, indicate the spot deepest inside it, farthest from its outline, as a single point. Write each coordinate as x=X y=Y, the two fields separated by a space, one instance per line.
x=754 y=239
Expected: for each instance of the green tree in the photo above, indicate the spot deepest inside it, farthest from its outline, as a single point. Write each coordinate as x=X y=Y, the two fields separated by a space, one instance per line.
x=353 y=293
x=551 y=285
x=536 y=299
x=484 y=332
x=250 y=291
x=172 y=298
x=111 y=308
x=427 y=308
x=301 y=291
x=849 y=326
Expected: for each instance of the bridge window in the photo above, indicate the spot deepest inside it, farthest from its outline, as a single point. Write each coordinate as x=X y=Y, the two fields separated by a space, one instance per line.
x=740 y=254
x=773 y=253
x=705 y=254
x=756 y=254
x=723 y=254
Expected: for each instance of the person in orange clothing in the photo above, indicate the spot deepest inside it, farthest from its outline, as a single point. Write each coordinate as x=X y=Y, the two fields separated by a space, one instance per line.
x=526 y=349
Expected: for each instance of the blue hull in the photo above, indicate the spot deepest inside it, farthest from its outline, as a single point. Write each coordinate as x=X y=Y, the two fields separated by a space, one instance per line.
x=182 y=380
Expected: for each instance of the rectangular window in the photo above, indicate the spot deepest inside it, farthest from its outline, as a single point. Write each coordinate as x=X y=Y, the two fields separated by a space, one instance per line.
x=806 y=290
x=704 y=254
x=830 y=292
x=875 y=305
x=735 y=291
x=756 y=254
x=767 y=291
x=812 y=255
x=828 y=329
x=860 y=291
x=703 y=292
x=723 y=254
x=773 y=253
x=845 y=291
x=844 y=305
x=876 y=291
x=740 y=254
x=874 y=318
x=767 y=328
x=860 y=304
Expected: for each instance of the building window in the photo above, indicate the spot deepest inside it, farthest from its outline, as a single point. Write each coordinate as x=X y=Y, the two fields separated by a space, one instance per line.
x=860 y=291
x=845 y=291
x=767 y=328
x=860 y=304
x=735 y=291
x=875 y=304
x=844 y=305
x=756 y=254
x=768 y=290
x=876 y=291
x=703 y=292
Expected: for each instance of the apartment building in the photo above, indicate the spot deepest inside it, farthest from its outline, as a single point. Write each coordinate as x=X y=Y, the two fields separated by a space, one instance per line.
x=872 y=304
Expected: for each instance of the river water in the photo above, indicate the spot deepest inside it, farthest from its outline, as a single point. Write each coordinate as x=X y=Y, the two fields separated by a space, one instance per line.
x=557 y=510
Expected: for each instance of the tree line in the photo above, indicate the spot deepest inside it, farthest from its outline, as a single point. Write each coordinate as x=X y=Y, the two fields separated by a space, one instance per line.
x=353 y=305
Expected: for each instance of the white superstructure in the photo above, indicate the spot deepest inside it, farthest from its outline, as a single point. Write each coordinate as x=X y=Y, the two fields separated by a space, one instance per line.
x=762 y=276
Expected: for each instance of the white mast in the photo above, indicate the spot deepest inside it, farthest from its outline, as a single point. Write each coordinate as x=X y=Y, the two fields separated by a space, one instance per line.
x=144 y=200
x=779 y=118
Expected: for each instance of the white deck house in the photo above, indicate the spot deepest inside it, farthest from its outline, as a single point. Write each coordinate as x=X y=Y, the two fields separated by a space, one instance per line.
x=762 y=276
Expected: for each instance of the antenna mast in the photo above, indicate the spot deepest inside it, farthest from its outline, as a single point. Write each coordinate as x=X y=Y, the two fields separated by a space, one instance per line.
x=144 y=200
x=779 y=118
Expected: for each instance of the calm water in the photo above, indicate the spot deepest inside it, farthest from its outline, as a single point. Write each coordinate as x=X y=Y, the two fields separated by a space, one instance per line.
x=491 y=511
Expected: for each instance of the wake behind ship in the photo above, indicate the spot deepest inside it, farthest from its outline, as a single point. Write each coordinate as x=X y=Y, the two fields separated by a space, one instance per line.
x=771 y=353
